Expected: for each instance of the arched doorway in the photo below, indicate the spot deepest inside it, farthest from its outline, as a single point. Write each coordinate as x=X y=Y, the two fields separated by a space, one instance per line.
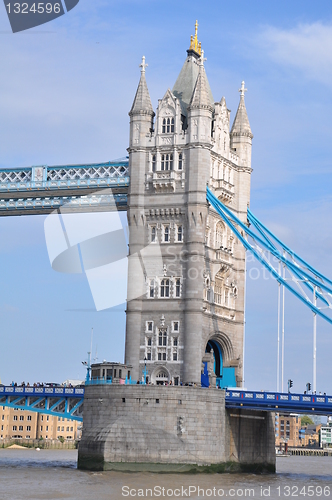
x=225 y=376
x=160 y=376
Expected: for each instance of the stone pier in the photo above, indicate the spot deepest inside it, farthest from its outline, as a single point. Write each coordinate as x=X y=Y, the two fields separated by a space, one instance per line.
x=172 y=429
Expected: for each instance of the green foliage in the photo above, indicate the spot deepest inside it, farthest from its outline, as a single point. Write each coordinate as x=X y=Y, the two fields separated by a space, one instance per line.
x=305 y=420
x=61 y=439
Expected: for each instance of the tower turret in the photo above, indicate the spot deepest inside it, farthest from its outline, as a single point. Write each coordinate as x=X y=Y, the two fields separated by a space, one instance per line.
x=241 y=135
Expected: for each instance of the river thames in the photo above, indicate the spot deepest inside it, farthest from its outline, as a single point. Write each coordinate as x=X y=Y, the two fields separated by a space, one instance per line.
x=53 y=474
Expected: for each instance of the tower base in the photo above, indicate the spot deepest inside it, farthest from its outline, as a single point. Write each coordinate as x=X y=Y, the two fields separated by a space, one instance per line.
x=172 y=429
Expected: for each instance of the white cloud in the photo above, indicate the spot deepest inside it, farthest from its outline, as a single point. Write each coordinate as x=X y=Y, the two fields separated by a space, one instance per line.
x=308 y=47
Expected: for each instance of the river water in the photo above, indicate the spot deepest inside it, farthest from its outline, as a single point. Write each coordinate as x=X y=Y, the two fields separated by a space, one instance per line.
x=52 y=474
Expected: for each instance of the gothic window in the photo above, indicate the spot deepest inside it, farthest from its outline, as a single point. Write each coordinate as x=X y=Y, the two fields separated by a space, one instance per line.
x=167 y=162
x=175 y=341
x=149 y=326
x=175 y=356
x=154 y=163
x=219 y=235
x=166 y=234
x=226 y=298
x=164 y=288
x=180 y=162
x=177 y=287
x=218 y=291
x=148 y=355
x=179 y=233
x=151 y=289
x=162 y=356
x=168 y=126
x=153 y=234
x=162 y=338
x=175 y=326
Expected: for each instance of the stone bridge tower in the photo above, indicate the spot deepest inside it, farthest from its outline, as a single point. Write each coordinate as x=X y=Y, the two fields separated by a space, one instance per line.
x=193 y=304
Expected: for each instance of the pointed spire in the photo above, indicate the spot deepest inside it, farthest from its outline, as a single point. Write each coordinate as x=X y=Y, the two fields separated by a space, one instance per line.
x=241 y=125
x=201 y=94
x=142 y=102
x=195 y=45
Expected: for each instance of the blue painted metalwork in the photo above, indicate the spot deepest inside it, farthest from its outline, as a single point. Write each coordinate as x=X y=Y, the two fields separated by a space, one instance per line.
x=279 y=402
x=66 y=402
x=52 y=203
x=37 y=190
x=261 y=244
x=94 y=175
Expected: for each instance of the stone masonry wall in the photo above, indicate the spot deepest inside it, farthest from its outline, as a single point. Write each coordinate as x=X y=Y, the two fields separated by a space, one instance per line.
x=135 y=425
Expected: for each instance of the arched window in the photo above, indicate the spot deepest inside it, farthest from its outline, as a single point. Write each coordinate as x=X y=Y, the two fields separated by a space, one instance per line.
x=167 y=162
x=162 y=162
x=151 y=289
x=153 y=234
x=168 y=125
x=166 y=234
x=219 y=235
x=162 y=338
x=180 y=162
x=179 y=233
x=172 y=125
x=171 y=162
x=153 y=163
x=164 y=288
x=226 y=298
x=164 y=126
x=177 y=287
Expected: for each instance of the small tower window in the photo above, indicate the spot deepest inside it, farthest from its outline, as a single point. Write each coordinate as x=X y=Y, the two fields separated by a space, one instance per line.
x=175 y=356
x=151 y=289
x=168 y=125
x=162 y=338
x=175 y=327
x=166 y=234
x=175 y=341
x=172 y=125
x=177 y=288
x=162 y=162
x=153 y=234
x=149 y=327
x=226 y=298
x=180 y=162
x=164 y=126
x=171 y=162
x=154 y=163
x=167 y=162
x=179 y=233
x=164 y=288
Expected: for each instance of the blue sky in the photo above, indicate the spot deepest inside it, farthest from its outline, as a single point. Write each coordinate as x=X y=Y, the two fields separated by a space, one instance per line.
x=65 y=93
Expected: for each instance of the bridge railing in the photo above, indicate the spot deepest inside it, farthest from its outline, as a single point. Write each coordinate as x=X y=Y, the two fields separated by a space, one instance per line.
x=274 y=401
x=41 y=391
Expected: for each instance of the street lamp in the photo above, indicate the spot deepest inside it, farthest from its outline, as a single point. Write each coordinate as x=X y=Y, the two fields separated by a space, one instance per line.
x=145 y=371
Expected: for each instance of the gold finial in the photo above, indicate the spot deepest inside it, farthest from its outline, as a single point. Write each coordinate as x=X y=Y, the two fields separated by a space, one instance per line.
x=195 y=39
x=194 y=44
x=191 y=43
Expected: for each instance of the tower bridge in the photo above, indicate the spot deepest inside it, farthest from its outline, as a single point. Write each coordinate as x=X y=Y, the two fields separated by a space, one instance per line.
x=186 y=189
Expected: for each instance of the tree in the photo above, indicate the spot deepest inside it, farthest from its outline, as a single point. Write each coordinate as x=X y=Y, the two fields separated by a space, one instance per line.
x=305 y=420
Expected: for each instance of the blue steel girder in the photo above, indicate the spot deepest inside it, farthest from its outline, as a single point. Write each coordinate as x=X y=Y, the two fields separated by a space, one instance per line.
x=42 y=189
x=319 y=404
x=262 y=243
x=60 y=402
